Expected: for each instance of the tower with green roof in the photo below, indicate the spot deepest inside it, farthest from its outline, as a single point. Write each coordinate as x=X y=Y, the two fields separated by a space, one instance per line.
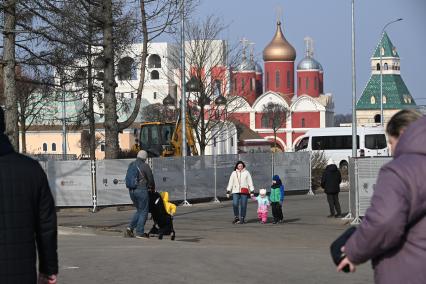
x=395 y=93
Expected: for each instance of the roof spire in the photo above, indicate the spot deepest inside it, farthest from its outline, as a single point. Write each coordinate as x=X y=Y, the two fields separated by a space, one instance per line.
x=309 y=46
x=251 y=44
x=279 y=13
x=244 y=42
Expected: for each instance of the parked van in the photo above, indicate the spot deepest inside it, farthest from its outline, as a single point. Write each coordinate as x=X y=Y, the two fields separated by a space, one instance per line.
x=336 y=142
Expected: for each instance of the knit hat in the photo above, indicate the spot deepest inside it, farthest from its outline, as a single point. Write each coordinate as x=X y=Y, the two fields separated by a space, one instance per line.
x=262 y=191
x=142 y=154
x=2 y=123
x=330 y=162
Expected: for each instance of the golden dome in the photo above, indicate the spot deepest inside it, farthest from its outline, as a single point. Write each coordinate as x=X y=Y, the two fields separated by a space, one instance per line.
x=279 y=49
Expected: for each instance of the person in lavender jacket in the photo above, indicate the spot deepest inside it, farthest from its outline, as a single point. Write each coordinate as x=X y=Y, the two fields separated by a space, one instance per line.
x=393 y=231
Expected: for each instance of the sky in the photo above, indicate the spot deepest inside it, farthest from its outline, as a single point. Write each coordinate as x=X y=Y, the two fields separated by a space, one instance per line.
x=328 y=22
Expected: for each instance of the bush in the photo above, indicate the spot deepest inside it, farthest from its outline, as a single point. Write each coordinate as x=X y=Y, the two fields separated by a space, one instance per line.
x=318 y=164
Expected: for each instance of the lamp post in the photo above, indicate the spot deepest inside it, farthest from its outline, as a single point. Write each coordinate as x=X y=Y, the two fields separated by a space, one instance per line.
x=354 y=124
x=381 y=69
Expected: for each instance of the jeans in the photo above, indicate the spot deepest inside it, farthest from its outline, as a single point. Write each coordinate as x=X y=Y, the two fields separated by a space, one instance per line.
x=239 y=200
x=140 y=199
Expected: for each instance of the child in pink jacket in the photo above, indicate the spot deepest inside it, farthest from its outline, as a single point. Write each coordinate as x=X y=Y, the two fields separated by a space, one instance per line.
x=262 y=206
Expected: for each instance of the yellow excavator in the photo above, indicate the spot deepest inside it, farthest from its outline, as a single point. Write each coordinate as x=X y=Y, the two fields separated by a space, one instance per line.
x=164 y=139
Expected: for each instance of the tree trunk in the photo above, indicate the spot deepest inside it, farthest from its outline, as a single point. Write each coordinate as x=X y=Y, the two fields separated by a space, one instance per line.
x=23 y=127
x=203 y=131
x=110 y=101
x=11 y=106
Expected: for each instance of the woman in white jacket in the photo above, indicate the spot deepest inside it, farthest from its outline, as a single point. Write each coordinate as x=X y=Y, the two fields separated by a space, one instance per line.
x=241 y=187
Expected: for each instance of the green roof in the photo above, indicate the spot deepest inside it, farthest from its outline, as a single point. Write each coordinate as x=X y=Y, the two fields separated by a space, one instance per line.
x=394 y=89
x=389 y=48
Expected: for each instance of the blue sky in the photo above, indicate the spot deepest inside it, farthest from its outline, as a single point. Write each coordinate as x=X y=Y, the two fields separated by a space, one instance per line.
x=328 y=22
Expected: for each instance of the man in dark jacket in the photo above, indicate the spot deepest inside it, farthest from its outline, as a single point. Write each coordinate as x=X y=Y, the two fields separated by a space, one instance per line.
x=27 y=218
x=330 y=181
x=139 y=195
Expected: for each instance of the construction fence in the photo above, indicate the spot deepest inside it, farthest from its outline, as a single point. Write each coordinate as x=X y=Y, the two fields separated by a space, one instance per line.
x=86 y=183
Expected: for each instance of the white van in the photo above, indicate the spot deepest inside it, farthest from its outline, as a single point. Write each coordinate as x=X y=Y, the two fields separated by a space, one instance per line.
x=336 y=142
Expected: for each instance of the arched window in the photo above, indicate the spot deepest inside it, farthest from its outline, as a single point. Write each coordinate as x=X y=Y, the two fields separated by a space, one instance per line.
x=44 y=147
x=126 y=69
x=277 y=79
x=243 y=84
x=378 y=66
x=303 y=122
x=154 y=61
x=235 y=84
x=155 y=75
x=385 y=67
x=288 y=79
x=53 y=147
x=373 y=100
x=265 y=121
x=307 y=83
x=315 y=83
x=299 y=84
x=377 y=118
x=251 y=84
x=267 y=80
x=80 y=78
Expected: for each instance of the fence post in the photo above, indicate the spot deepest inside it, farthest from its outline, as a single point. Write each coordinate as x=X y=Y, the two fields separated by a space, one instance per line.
x=310 y=192
x=353 y=183
x=215 y=199
x=357 y=219
x=185 y=194
x=94 y=189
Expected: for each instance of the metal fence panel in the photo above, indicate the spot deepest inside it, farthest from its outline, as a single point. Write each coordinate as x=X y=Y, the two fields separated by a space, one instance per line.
x=168 y=176
x=368 y=170
x=70 y=182
x=200 y=176
x=294 y=170
x=224 y=166
x=110 y=182
x=352 y=188
x=260 y=167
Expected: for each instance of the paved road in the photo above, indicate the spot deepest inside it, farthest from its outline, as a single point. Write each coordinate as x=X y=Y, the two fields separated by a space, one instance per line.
x=208 y=248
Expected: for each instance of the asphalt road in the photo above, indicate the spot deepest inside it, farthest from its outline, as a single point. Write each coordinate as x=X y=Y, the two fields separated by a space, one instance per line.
x=208 y=248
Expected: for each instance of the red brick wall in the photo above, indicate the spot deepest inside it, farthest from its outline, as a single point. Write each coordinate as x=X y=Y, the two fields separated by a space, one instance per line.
x=270 y=71
x=312 y=90
x=237 y=85
x=312 y=119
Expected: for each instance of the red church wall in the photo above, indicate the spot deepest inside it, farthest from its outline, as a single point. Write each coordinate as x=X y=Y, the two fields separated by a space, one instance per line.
x=311 y=119
x=244 y=118
x=259 y=84
x=248 y=90
x=283 y=67
x=314 y=83
x=321 y=79
x=296 y=135
x=270 y=136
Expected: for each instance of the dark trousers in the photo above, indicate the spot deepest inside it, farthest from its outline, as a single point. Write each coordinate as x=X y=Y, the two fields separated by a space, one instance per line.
x=277 y=211
x=333 y=202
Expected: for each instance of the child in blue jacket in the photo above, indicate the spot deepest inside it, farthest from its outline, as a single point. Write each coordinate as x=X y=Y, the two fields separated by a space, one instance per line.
x=277 y=198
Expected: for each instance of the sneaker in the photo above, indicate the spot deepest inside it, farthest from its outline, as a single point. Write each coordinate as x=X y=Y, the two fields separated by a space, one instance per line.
x=129 y=233
x=330 y=216
x=143 y=236
x=274 y=222
x=241 y=221
x=236 y=220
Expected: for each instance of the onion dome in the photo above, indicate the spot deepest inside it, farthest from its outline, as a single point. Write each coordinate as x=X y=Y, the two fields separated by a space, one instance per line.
x=279 y=49
x=308 y=63
x=168 y=101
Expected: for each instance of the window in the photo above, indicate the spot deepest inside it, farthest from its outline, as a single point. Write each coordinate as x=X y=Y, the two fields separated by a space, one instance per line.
x=288 y=79
x=303 y=144
x=303 y=122
x=102 y=148
x=333 y=142
x=299 y=85
x=315 y=83
x=126 y=69
x=214 y=142
x=267 y=80
x=242 y=84
x=155 y=95
x=232 y=141
x=378 y=67
x=307 y=83
x=166 y=133
x=377 y=118
x=154 y=61
x=386 y=66
x=217 y=87
x=44 y=147
x=277 y=79
x=375 y=141
x=265 y=121
x=131 y=95
x=53 y=147
x=155 y=75
x=373 y=100
x=235 y=84
x=251 y=84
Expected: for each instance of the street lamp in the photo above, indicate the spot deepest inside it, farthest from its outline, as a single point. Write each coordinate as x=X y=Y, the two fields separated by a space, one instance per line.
x=381 y=69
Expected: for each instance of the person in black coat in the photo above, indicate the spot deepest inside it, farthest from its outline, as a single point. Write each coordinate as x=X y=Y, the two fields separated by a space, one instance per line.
x=330 y=181
x=27 y=218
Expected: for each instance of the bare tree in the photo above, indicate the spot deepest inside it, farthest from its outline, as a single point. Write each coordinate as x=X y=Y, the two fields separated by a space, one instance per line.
x=208 y=62
x=275 y=115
